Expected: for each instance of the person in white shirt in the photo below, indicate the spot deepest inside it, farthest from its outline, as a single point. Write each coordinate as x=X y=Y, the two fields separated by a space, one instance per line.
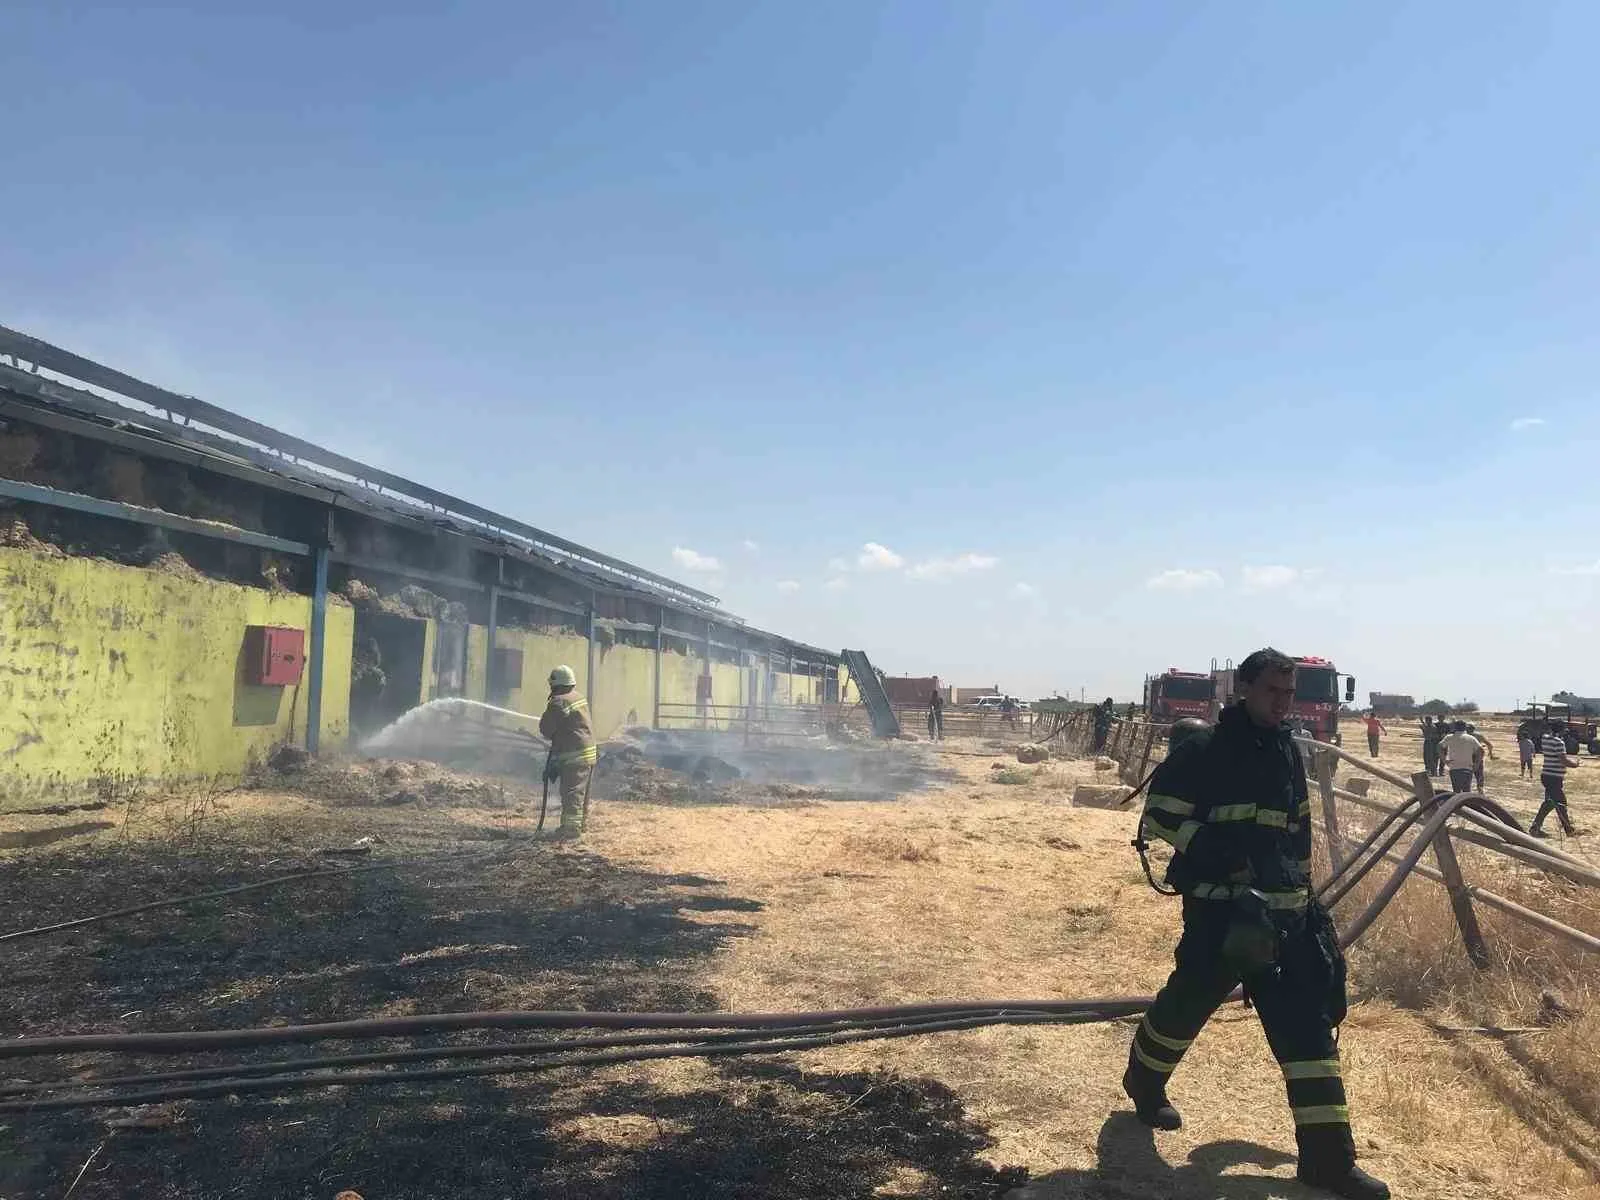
x=1477 y=763
x=1460 y=751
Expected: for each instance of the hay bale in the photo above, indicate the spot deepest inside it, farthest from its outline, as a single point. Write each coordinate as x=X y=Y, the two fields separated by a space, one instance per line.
x=1032 y=752
x=1102 y=763
x=1100 y=795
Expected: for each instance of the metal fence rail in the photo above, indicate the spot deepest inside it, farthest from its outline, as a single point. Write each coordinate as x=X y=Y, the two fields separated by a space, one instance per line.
x=1444 y=819
x=966 y=722
x=750 y=720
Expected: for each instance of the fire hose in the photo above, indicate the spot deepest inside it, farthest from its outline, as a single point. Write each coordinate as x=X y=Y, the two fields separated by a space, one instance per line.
x=690 y=1036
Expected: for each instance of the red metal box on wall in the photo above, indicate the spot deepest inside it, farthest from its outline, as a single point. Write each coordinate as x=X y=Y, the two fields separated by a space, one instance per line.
x=274 y=655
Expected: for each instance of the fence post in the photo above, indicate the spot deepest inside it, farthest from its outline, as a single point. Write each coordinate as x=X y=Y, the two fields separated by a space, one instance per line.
x=1460 y=899
x=1330 y=811
x=1144 y=759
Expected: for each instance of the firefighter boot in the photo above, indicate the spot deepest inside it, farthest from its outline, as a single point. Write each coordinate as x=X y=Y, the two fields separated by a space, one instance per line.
x=1328 y=1161
x=1148 y=1091
x=1352 y=1182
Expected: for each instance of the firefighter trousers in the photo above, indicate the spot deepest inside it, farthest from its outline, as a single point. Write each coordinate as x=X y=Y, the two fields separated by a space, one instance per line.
x=574 y=795
x=1301 y=1038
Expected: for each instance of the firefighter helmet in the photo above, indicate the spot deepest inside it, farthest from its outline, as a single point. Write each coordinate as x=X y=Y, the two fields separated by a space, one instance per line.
x=1183 y=730
x=563 y=676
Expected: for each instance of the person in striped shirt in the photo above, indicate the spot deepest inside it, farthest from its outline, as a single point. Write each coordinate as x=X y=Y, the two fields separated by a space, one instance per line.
x=1554 y=778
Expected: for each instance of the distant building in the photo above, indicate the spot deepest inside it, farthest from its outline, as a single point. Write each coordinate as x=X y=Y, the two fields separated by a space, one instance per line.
x=970 y=695
x=1391 y=704
x=913 y=689
x=1586 y=706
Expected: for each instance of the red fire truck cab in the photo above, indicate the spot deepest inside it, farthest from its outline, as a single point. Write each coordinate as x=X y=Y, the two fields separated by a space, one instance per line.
x=1316 y=695
x=1174 y=694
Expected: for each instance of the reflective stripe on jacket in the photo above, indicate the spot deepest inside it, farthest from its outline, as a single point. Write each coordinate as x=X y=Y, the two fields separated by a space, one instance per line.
x=1234 y=806
x=566 y=725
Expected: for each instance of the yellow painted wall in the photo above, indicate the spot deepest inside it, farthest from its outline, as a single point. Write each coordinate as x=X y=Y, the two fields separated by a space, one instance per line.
x=540 y=652
x=625 y=682
x=111 y=676
x=678 y=675
x=625 y=679
x=430 y=639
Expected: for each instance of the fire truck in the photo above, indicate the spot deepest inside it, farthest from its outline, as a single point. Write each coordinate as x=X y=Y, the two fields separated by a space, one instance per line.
x=1316 y=694
x=1174 y=694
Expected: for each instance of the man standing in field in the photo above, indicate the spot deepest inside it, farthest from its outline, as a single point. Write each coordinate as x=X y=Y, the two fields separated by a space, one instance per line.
x=1430 y=747
x=573 y=754
x=936 y=714
x=1460 y=751
x=1233 y=803
x=1374 y=728
x=1485 y=748
x=1554 y=779
x=1525 y=749
x=1102 y=724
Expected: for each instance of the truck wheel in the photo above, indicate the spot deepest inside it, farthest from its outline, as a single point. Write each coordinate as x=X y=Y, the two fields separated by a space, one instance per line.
x=1594 y=746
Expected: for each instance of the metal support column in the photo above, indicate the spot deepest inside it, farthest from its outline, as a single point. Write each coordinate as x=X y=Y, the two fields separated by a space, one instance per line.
x=589 y=682
x=704 y=690
x=489 y=693
x=661 y=619
x=319 y=637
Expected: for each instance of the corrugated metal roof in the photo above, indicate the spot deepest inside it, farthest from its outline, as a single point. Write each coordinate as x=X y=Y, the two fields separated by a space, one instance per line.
x=105 y=402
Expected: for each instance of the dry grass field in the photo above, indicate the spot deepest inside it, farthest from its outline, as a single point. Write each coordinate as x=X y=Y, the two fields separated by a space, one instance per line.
x=970 y=888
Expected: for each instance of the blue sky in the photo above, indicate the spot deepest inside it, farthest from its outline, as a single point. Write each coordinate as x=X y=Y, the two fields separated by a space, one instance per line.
x=1131 y=334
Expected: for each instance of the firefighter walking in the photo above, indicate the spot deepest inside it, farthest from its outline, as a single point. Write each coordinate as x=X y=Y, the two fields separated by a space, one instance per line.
x=573 y=754
x=1232 y=801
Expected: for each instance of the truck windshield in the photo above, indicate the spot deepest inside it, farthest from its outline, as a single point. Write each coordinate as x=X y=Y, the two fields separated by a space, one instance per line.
x=1316 y=685
x=1186 y=689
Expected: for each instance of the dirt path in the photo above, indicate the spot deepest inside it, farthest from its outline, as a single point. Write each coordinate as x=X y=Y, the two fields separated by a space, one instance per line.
x=972 y=889
x=986 y=890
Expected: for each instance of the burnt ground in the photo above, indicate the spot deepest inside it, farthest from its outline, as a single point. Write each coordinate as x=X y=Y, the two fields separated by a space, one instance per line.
x=513 y=925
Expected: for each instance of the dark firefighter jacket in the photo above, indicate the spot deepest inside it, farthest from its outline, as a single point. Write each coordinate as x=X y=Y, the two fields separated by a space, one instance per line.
x=566 y=724
x=1232 y=802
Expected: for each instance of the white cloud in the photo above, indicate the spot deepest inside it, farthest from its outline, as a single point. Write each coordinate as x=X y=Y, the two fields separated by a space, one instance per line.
x=874 y=557
x=835 y=585
x=1024 y=591
x=961 y=564
x=752 y=546
x=693 y=560
x=1181 y=579
x=1584 y=569
x=1524 y=423
x=788 y=585
x=1265 y=579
